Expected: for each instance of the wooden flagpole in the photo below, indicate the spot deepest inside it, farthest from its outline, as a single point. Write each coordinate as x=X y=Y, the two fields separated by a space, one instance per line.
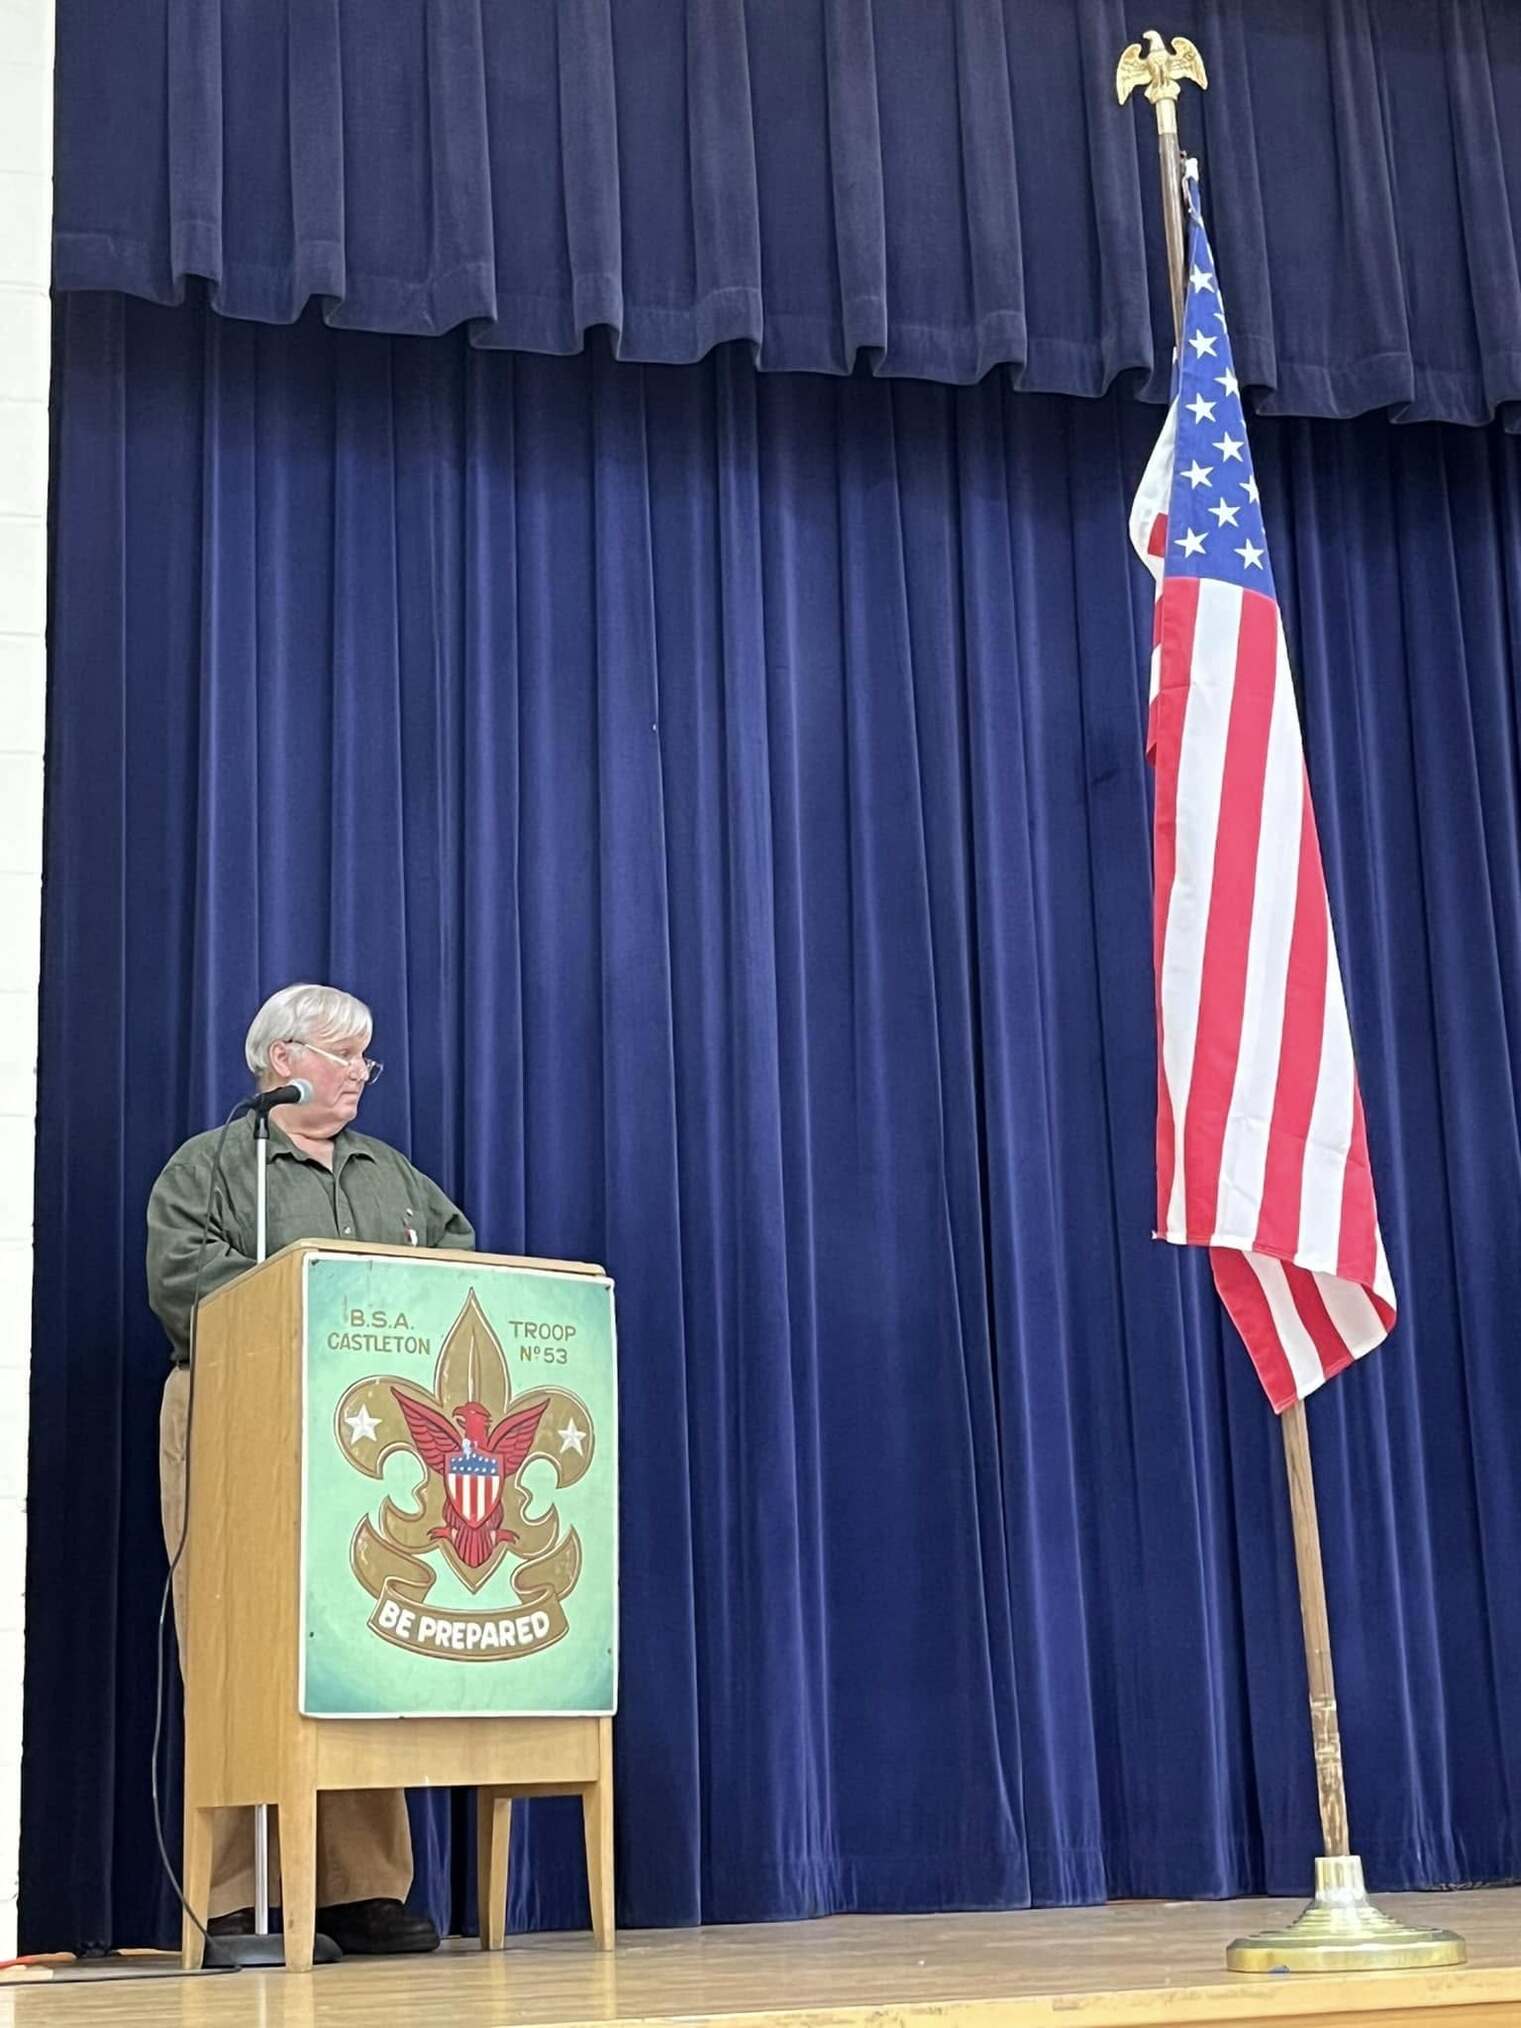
x=1340 y=1930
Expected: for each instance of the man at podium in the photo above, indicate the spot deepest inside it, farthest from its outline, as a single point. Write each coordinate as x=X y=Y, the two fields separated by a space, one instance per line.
x=324 y=1181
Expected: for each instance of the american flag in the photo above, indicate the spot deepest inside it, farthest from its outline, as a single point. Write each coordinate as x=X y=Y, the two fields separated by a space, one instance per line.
x=1262 y=1154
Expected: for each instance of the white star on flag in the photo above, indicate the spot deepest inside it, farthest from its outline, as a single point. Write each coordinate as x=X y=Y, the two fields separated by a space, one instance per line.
x=1202 y=343
x=1198 y=280
x=1200 y=409
x=1224 y=512
x=1197 y=475
x=1249 y=487
x=1229 y=446
x=1228 y=381
x=1250 y=555
x=1191 y=543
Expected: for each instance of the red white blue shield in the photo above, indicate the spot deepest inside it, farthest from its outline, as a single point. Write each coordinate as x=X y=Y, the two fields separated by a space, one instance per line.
x=474 y=1482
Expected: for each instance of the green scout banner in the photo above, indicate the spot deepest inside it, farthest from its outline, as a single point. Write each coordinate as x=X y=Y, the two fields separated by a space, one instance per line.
x=459 y=1522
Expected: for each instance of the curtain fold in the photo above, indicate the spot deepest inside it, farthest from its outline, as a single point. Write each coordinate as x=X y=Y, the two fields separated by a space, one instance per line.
x=919 y=192
x=728 y=790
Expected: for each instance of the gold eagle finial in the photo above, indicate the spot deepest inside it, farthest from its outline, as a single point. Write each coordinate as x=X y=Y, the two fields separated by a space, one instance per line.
x=1160 y=69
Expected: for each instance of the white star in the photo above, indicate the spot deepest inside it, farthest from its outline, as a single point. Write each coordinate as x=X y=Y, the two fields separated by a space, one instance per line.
x=1229 y=382
x=1249 y=486
x=1250 y=555
x=1191 y=544
x=1229 y=446
x=1200 y=409
x=1224 y=513
x=1199 y=280
x=1197 y=475
x=573 y=1438
x=1201 y=344
x=362 y=1425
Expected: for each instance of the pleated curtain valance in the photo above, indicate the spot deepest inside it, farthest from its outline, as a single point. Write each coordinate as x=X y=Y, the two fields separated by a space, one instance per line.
x=925 y=188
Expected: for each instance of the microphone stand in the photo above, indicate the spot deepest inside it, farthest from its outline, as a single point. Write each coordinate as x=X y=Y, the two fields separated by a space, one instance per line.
x=261 y=1810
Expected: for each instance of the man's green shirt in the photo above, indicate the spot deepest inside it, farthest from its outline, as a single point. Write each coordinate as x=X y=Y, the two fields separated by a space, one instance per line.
x=371 y=1192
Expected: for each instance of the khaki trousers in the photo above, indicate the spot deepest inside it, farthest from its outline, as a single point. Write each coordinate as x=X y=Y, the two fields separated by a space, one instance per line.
x=364 y=1845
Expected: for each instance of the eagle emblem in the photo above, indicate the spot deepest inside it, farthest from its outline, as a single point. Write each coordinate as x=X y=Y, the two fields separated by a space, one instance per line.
x=1158 y=72
x=475 y=1458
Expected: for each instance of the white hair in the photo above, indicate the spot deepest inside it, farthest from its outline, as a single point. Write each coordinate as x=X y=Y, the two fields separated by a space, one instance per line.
x=297 y=1014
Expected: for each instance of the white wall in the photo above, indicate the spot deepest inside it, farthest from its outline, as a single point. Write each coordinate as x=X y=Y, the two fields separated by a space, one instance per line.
x=26 y=210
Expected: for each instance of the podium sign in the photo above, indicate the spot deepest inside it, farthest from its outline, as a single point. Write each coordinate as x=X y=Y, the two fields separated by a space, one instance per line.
x=459 y=1474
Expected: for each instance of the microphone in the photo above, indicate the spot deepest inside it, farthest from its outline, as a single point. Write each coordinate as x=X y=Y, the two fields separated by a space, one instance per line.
x=297 y=1093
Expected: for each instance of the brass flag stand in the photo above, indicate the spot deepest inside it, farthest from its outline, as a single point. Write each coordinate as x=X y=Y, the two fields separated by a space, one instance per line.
x=1341 y=1930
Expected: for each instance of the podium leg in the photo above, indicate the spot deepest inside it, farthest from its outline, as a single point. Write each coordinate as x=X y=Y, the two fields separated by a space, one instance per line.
x=195 y=1869
x=597 y=1817
x=493 y=1828
x=298 y=1877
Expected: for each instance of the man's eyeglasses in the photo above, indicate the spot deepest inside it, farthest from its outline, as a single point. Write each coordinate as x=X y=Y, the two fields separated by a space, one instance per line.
x=367 y=1066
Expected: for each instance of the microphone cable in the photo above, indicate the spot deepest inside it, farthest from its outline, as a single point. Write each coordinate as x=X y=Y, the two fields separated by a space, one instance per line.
x=179 y=1548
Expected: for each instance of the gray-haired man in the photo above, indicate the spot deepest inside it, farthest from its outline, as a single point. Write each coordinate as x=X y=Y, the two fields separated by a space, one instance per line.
x=325 y=1182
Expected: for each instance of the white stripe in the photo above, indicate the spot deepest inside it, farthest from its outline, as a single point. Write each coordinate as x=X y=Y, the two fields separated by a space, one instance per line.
x=1330 y=1132
x=1201 y=770
x=1151 y=497
x=1298 y=1345
x=1357 y=1322
x=1244 y=1148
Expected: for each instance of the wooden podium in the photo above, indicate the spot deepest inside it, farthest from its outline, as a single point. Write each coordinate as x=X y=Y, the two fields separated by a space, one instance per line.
x=246 y=1741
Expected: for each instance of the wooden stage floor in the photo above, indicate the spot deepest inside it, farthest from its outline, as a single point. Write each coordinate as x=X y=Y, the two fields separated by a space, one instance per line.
x=1114 y=1967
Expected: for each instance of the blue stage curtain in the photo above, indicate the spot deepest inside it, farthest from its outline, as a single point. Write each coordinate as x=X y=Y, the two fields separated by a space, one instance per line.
x=931 y=190
x=728 y=789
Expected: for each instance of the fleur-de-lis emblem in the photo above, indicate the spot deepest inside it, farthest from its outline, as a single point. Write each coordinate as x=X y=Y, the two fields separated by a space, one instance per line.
x=473 y=1443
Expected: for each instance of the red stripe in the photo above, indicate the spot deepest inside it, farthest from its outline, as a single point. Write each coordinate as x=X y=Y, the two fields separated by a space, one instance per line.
x=1330 y=1346
x=1358 y=1255
x=1241 y=1293
x=1156 y=542
x=1304 y=1014
x=1222 y=987
x=1176 y=613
